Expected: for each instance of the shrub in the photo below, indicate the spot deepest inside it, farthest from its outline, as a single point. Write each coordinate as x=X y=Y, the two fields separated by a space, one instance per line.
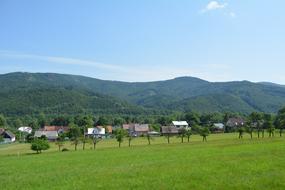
x=39 y=145
x=65 y=150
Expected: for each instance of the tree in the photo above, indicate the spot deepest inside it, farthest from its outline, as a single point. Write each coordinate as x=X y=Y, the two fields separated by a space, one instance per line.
x=192 y=118
x=268 y=125
x=58 y=121
x=95 y=141
x=188 y=134
x=130 y=138
x=249 y=129
x=149 y=138
x=34 y=124
x=182 y=134
x=256 y=119
x=280 y=121
x=241 y=130
x=2 y=121
x=75 y=142
x=271 y=130
x=74 y=134
x=74 y=131
x=168 y=133
x=120 y=134
x=42 y=120
x=84 y=141
x=103 y=121
x=204 y=132
x=118 y=121
x=18 y=123
x=39 y=145
x=60 y=142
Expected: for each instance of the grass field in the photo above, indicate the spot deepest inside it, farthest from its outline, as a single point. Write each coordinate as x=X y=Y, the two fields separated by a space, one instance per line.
x=224 y=162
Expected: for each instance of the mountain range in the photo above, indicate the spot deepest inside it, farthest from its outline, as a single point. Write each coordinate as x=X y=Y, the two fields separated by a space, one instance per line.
x=50 y=93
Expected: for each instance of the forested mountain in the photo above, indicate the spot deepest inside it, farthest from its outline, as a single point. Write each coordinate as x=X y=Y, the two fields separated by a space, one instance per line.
x=29 y=93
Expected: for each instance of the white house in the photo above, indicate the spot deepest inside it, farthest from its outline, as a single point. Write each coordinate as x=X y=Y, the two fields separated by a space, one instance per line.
x=26 y=129
x=219 y=126
x=180 y=124
x=100 y=131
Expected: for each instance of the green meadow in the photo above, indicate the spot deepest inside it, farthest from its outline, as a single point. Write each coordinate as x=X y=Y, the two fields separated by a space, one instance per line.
x=224 y=162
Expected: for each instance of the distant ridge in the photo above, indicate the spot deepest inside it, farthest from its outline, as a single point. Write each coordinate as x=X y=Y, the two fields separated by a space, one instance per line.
x=51 y=93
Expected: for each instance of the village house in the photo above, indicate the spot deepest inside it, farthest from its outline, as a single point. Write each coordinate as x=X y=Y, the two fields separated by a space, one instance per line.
x=108 y=129
x=25 y=129
x=98 y=131
x=8 y=136
x=136 y=129
x=218 y=128
x=50 y=135
x=169 y=130
x=58 y=129
x=153 y=133
x=141 y=129
x=235 y=121
x=174 y=127
x=180 y=124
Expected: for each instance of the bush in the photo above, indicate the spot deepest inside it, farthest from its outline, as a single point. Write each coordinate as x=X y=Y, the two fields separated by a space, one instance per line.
x=65 y=150
x=39 y=145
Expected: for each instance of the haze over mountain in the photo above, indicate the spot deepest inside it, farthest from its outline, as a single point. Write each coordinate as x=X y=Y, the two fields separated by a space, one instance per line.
x=32 y=93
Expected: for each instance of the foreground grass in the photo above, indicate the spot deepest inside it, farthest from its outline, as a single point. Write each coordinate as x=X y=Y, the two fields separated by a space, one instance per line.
x=224 y=162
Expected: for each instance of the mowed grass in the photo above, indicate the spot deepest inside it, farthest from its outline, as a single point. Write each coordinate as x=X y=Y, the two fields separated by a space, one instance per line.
x=224 y=162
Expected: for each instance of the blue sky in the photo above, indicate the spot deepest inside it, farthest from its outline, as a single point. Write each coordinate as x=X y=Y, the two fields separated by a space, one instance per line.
x=145 y=40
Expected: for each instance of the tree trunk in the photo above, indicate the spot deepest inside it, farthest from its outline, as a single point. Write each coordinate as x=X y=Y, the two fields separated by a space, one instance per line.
x=258 y=133
x=182 y=139
x=148 y=141
x=94 y=146
x=240 y=136
x=75 y=147
x=251 y=135
x=168 y=139
x=281 y=130
x=129 y=142
x=119 y=144
x=263 y=133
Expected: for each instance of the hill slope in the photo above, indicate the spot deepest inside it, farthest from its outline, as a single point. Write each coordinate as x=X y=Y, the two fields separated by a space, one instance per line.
x=26 y=93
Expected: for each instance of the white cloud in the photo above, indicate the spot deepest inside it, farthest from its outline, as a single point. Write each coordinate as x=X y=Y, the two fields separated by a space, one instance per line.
x=60 y=60
x=214 y=5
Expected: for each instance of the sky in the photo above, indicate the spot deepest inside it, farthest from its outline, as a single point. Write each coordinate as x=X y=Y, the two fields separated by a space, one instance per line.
x=145 y=40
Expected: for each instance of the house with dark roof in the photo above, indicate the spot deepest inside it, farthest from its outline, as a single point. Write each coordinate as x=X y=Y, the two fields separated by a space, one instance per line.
x=59 y=129
x=169 y=130
x=136 y=129
x=8 y=136
x=50 y=135
x=141 y=129
x=235 y=122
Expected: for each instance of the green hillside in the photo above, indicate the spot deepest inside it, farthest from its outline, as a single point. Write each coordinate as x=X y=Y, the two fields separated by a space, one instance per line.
x=28 y=93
